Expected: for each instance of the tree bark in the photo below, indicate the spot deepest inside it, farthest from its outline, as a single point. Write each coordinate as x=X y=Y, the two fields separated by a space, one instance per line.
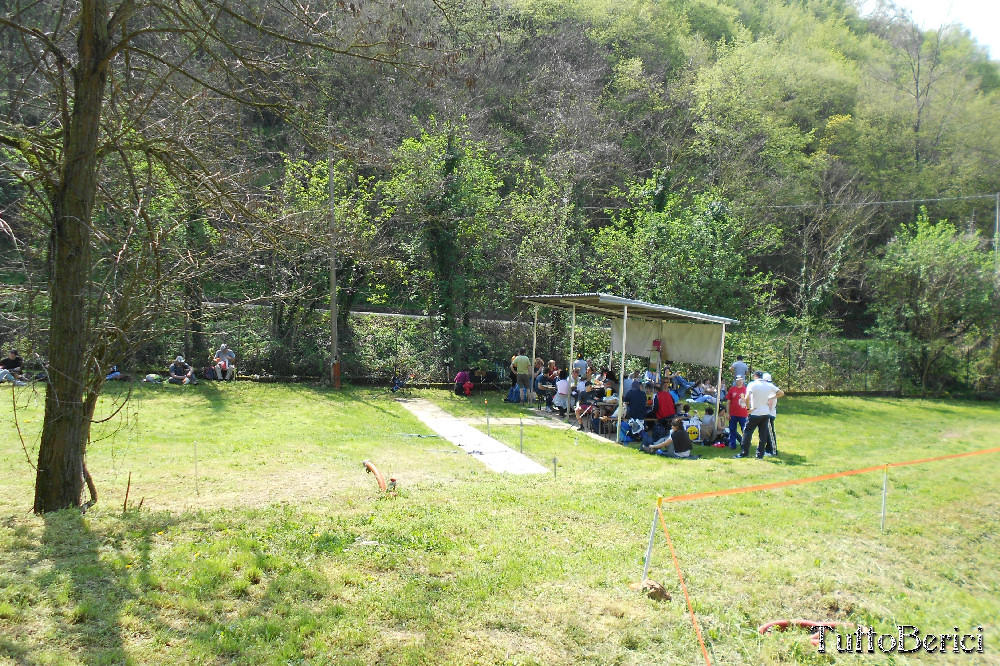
x=66 y=429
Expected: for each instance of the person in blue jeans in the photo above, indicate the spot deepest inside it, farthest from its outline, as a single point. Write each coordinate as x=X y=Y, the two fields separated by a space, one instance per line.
x=680 y=384
x=737 y=411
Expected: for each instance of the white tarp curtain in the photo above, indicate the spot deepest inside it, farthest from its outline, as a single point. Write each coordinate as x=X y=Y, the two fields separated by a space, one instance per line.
x=700 y=344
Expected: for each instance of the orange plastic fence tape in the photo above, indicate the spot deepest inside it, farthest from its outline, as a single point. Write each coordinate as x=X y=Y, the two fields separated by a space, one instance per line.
x=770 y=486
x=823 y=477
x=697 y=629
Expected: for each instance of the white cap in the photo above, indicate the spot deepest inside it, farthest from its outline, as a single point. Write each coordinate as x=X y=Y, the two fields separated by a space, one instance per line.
x=223 y=346
x=767 y=376
x=179 y=359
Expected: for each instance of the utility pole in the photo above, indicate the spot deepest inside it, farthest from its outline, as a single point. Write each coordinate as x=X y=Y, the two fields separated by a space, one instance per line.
x=334 y=349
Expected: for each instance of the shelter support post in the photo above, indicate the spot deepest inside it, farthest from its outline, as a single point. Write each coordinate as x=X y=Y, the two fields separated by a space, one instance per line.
x=621 y=375
x=534 y=352
x=719 y=393
x=572 y=339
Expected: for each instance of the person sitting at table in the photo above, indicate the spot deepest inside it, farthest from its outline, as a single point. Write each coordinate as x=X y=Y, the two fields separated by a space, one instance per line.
x=627 y=383
x=537 y=370
x=611 y=381
x=664 y=408
x=585 y=406
x=635 y=399
x=676 y=445
x=543 y=386
x=581 y=385
x=651 y=376
x=561 y=398
x=574 y=387
x=460 y=379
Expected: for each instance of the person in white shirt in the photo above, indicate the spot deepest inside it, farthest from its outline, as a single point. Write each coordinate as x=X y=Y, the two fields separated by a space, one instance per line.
x=759 y=394
x=773 y=404
x=224 y=363
x=561 y=399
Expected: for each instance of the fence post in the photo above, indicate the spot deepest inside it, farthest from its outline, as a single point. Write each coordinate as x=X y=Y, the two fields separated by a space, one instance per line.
x=967 y=350
x=866 y=367
x=788 y=364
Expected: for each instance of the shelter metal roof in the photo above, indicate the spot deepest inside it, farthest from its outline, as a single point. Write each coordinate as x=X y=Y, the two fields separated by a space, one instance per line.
x=614 y=306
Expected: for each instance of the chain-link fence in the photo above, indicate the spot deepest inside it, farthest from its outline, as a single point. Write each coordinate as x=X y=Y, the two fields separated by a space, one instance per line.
x=377 y=346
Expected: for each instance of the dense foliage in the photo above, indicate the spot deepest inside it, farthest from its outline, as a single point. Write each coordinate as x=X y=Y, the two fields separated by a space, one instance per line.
x=726 y=156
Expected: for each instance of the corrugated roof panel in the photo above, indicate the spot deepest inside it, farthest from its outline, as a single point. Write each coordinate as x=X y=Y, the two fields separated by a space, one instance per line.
x=614 y=306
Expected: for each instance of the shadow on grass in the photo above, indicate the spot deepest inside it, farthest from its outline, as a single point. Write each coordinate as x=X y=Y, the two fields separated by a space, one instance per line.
x=78 y=594
x=210 y=391
x=86 y=593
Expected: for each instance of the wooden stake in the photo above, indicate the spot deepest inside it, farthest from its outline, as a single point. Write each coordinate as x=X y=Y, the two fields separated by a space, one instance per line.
x=197 y=491
x=128 y=487
x=885 y=489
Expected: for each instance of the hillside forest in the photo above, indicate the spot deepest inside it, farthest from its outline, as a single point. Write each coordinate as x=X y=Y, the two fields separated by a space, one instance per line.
x=167 y=172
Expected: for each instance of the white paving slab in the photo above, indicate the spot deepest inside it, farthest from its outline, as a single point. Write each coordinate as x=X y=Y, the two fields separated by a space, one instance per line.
x=490 y=452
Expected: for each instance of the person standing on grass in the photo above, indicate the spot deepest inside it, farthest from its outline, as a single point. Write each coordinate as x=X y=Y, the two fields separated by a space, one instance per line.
x=759 y=394
x=520 y=366
x=737 y=411
x=773 y=404
x=739 y=368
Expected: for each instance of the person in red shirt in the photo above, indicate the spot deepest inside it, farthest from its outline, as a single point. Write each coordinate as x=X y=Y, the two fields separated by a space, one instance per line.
x=737 y=411
x=663 y=405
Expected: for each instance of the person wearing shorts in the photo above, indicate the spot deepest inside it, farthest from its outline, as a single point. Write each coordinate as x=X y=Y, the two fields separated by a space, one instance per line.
x=520 y=367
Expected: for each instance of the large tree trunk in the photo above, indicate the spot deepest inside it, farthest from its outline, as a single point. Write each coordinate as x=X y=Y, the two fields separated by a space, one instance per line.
x=59 y=482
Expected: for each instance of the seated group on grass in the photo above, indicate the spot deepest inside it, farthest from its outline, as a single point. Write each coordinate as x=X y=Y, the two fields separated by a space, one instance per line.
x=223 y=366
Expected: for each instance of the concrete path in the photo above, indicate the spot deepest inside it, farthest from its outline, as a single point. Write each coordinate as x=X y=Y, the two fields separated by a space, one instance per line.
x=487 y=450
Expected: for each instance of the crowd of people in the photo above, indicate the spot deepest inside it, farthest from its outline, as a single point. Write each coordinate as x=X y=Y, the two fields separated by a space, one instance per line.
x=657 y=404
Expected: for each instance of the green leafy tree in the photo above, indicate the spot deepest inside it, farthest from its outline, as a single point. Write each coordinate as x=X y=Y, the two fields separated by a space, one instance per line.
x=933 y=287
x=687 y=250
x=444 y=196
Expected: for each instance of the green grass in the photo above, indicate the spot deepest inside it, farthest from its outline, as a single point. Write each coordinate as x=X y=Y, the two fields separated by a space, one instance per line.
x=281 y=550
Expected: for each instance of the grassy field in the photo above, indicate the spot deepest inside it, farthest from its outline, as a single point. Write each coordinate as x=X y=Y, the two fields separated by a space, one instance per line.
x=280 y=550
